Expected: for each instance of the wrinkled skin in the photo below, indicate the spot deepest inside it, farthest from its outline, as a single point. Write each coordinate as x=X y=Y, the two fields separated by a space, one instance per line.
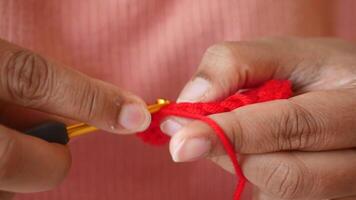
x=300 y=148
x=29 y=80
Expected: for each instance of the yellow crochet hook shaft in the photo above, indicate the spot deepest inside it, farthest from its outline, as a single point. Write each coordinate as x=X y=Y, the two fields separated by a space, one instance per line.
x=82 y=128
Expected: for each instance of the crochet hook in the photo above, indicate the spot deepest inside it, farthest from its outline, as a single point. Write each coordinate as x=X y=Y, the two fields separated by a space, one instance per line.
x=58 y=132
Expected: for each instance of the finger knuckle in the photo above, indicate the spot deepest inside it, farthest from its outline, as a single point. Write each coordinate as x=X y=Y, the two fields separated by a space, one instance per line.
x=224 y=58
x=298 y=128
x=28 y=77
x=87 y=101
x=236 y=132
x=232 y=126
x=287 y=181
x=221 y=50
x=230 y=52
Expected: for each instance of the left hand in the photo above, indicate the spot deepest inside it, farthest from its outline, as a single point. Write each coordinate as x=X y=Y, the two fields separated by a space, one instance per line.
x=300 y=148
x=33 y=82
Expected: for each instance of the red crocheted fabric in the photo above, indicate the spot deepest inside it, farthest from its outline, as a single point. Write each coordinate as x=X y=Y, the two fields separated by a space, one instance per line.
x=272 y=90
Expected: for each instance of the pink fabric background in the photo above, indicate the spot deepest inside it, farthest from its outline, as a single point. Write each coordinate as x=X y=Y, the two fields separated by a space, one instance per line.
x=152 y=48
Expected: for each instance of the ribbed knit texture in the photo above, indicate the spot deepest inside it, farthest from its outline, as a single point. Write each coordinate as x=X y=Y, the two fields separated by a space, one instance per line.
x=151 y=47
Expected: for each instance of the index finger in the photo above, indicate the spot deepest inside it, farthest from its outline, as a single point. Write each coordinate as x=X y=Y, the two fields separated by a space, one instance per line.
x=313 y=121
x=30 y=80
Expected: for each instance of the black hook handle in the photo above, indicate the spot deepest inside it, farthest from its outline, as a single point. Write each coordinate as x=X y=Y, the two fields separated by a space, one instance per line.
x=54 y=132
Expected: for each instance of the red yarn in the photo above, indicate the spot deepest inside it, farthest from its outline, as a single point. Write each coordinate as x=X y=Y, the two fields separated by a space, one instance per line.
x=271 y=90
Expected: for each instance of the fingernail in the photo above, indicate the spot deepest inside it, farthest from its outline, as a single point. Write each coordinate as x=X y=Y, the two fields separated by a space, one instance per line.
x=170 y=127
x=189 y=149
x=194 y=91
x=134 y=117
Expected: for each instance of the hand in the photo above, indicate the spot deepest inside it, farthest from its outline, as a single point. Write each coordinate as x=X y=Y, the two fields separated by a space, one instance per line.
x=29 y=164
x=300 y=148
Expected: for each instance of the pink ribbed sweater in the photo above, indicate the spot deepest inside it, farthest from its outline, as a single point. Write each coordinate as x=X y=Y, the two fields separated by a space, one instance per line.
x=152 y=47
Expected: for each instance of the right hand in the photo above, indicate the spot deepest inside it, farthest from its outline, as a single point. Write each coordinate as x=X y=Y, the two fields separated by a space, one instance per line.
x=298 y=148
x=29 y=164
